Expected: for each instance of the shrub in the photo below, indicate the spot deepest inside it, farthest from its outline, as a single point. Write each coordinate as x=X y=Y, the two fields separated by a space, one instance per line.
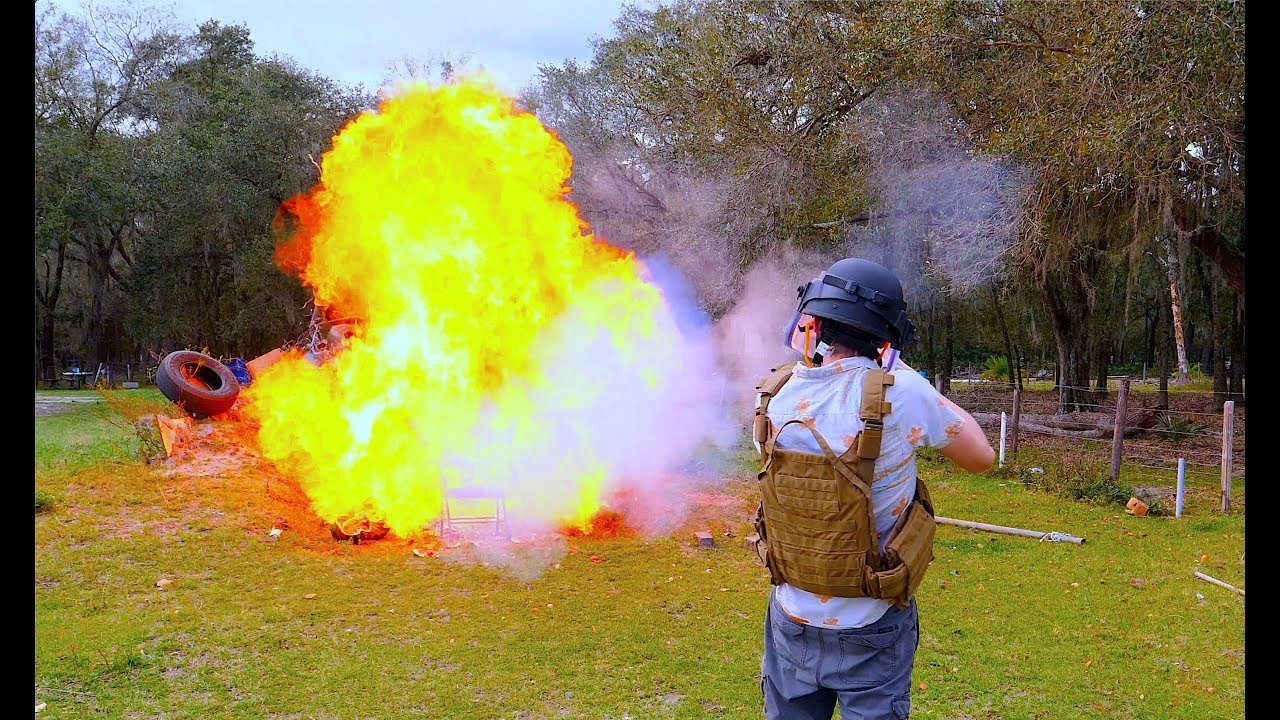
x=1179 y=429
x=997 y=368
x=1081 y=480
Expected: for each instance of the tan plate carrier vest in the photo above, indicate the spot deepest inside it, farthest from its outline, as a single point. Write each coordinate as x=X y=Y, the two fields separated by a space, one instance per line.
x=816 y=522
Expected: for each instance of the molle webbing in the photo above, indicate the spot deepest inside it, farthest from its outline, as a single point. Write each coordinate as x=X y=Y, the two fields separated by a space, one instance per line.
x=768 y=387
x=816 y=518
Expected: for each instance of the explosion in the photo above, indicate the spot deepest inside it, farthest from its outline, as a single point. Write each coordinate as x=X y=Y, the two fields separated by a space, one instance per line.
x=502 y=345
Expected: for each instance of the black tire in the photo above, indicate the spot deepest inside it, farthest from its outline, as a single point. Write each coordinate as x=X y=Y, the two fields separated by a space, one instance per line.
x=197 y=383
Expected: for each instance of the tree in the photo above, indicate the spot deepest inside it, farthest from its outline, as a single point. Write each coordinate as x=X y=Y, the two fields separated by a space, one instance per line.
x=235 y=136
x=89 y=73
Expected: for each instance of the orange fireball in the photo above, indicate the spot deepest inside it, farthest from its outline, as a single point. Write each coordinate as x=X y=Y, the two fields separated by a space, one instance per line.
x=503 y=345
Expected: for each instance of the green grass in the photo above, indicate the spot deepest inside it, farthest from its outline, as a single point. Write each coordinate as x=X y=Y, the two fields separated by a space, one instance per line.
x=1010 y=627
x=79 y=437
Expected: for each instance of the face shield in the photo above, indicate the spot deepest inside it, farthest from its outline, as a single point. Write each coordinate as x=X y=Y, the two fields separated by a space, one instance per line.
x=802 y=336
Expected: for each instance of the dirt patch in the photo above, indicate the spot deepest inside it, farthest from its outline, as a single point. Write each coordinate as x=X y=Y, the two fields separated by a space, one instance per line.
x=54 y=404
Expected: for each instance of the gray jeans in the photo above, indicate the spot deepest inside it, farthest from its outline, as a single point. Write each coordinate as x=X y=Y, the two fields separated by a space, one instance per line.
x=807 y=670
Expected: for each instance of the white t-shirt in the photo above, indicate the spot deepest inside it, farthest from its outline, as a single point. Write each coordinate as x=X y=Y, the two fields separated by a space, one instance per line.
x=830 y=395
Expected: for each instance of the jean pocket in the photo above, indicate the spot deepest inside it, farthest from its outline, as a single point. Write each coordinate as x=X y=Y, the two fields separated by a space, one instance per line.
x=789 y=638
x=868 y=659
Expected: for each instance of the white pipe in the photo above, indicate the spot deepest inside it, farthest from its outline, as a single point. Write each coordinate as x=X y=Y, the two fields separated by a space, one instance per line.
x=1002 y=427
x=1182 y=476
x=1218 y=582
x=1009 y=530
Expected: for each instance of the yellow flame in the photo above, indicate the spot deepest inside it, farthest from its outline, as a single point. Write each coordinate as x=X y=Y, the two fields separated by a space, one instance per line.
x=496 y=327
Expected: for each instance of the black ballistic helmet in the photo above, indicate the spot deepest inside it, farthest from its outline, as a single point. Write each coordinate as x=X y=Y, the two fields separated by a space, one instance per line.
x=862 y=295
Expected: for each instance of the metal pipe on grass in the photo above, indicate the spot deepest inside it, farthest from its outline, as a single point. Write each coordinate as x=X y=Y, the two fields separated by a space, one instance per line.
x=1052 y=536
x=1218 y=582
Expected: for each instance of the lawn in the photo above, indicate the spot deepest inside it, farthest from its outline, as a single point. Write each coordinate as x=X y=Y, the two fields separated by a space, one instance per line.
x=305 y=627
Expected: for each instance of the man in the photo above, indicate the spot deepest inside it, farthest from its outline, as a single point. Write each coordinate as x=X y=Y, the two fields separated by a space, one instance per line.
x=845 y=527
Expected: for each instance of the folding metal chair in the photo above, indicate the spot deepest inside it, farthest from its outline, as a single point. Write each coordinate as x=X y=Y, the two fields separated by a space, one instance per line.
x=448 y=520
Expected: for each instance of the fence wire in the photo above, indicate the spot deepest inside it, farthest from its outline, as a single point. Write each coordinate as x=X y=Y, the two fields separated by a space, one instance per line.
x=1149 y=453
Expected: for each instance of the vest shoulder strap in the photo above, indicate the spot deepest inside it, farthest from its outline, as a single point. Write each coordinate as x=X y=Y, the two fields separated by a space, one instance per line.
x=769 y=387
x=873 y=409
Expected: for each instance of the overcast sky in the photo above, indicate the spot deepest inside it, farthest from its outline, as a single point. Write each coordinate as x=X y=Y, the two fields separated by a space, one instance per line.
x=353 y=41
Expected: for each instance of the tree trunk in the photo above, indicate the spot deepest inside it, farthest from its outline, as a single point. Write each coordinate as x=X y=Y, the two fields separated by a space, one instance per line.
x=1128 y=303
x=1102 y=365
x=949 y=349
x=47 y=294
x=1171 y=268
x=1206 y=345
x=1150 y=332
x=1219 y=341
x=1072 y=371
x=1017 y=366
x=1004 y=330
x=928 y=345
x=1164 y=324
x=1236 y=378
x=98 y=279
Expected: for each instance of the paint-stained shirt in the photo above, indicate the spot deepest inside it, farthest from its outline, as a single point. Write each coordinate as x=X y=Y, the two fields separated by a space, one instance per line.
x=829 y=396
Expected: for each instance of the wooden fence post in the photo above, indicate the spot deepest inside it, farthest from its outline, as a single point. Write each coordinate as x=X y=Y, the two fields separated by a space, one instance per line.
x=1117 y=436
x=1228 y=436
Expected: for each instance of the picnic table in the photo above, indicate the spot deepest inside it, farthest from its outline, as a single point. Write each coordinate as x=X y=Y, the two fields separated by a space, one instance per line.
x=77 y=378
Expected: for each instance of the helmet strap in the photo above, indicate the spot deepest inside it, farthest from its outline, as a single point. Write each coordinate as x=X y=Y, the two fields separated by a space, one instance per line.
x=880 y=355
x=812 y=359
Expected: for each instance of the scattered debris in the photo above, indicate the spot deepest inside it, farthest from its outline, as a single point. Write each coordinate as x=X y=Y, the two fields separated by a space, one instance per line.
x=705 y=540
x=1200 y=597
x=275 y=533
x=164 y=582
x=173 y=432
x=41 y=706
x=595 y=558
x=424 y=553
x=1137 y=582
x=1037 y=471
x=308 y=596
x=356 y=529
x=262 y=362
x=1136 y=507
